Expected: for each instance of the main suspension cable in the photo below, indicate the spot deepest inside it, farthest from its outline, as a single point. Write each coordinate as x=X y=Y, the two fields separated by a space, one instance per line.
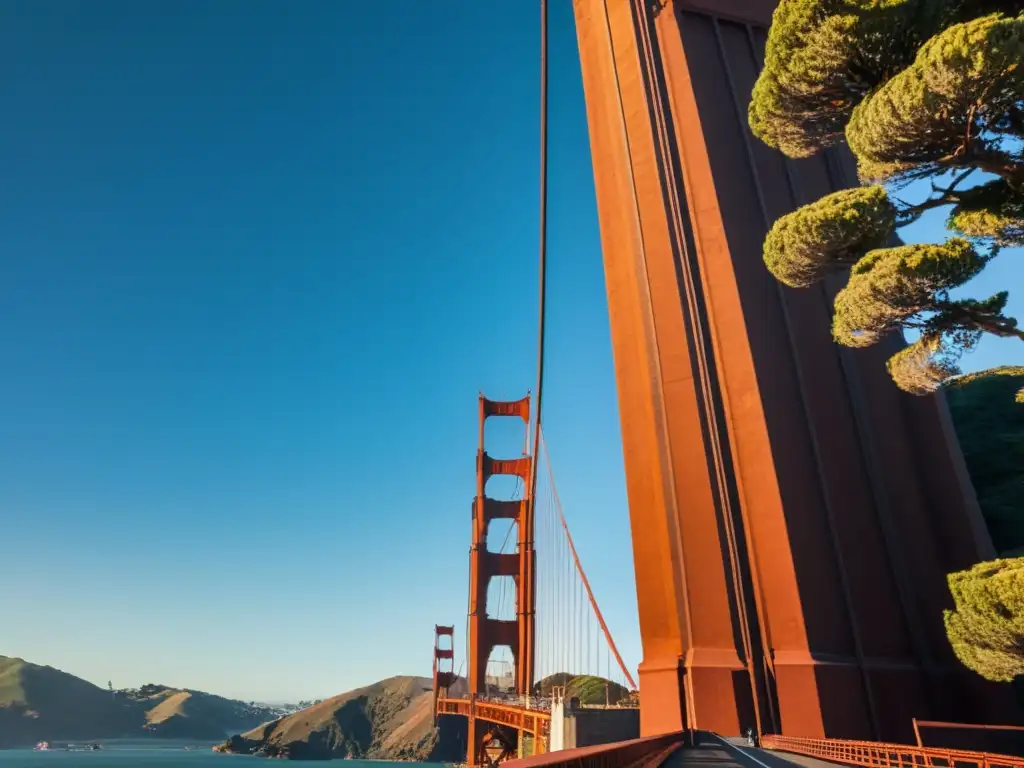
x=542 y=266
x=543 y=236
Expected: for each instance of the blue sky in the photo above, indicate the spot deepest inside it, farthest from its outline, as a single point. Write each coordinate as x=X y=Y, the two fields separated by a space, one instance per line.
x=257 y=265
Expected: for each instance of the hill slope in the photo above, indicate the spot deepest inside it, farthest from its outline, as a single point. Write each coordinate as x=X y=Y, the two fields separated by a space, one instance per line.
x=42 y=703
x=590 y=689
x=174 y=713
x=391 y=719
x=990 y=425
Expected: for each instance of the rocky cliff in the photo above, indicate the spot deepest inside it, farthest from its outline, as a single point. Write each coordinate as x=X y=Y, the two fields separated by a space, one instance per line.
x=389 y=720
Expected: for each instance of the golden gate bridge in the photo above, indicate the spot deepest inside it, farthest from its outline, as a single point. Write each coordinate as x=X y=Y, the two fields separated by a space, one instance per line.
x=762 y=627
x=531 y=611
x=548 y=637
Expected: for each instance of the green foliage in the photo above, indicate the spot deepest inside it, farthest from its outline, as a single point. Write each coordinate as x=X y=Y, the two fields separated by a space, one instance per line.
x=821 y=59
x=890 y=285
x=987 y=628
x=829 y=235
x=922 y=367
x=948 y=108
x=990 y=427
x=824 y=56
x=589 y=688
x=919 y=88
x=992 y=212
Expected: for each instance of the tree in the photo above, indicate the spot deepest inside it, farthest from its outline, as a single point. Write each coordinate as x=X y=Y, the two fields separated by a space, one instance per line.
x=590 y=689
x=986 y=629
x=919 y=89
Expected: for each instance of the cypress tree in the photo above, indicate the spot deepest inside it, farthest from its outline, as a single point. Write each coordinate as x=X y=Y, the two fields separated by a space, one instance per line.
x=918 y=89
x=986 y=629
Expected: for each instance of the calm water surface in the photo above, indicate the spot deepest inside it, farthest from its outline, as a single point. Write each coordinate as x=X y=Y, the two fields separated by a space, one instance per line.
x=170 y=755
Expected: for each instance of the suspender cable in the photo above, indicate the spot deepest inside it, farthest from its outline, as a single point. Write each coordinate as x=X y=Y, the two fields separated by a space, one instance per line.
x=579 y=569
x=528 y=655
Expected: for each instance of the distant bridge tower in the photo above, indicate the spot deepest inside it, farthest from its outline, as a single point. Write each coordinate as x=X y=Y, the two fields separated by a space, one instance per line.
x=444 y=663
x=487 y=633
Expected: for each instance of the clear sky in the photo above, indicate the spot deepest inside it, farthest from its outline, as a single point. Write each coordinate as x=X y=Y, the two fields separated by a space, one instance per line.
x=259 y=258
x=257 y=261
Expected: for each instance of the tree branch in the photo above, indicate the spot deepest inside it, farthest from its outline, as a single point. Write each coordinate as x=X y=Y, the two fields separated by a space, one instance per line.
x=909 y=213
x=978 y=155
x=997 y=163
x=985 y=321
x=955 y=182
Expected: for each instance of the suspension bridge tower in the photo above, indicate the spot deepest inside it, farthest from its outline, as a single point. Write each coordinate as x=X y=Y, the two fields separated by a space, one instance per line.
x=485 y=632
x=794 y=515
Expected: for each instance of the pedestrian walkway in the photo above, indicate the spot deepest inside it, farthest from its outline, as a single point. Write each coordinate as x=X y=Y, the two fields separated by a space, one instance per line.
x=711 y=751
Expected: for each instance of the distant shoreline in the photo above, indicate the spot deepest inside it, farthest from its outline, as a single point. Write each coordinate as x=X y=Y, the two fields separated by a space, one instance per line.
x=127 y=742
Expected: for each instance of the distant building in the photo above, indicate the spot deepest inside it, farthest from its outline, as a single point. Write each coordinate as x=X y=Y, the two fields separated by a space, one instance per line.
x=501 y=682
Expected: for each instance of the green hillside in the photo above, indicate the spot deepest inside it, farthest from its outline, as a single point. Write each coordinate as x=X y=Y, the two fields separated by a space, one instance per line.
x=590 y=689
x=40 y=703
x=990 y=425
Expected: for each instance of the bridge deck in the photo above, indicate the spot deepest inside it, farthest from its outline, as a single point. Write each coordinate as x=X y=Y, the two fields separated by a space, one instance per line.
x=708 y=751
x=533 y=721
x=711 y=751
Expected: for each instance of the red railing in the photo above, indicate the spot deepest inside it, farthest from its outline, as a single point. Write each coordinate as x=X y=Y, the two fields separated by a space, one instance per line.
x=878 y=755
x=980 y=729
x=636 y=753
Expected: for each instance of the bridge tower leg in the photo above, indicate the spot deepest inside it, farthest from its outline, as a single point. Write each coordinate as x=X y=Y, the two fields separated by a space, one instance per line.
x=444 y=663
x=486 y=633
x=794 y=515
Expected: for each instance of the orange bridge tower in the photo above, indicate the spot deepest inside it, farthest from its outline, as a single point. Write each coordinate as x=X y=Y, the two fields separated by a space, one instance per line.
x=485 y=632
x=444 y=663
x=794 y=515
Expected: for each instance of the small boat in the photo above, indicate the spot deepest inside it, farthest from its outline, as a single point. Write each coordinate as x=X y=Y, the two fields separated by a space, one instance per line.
x=42 y=746
x=84 y=748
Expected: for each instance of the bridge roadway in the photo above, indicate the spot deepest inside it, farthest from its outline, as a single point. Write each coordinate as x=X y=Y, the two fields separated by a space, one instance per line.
x=709 y=750
x=713 y=751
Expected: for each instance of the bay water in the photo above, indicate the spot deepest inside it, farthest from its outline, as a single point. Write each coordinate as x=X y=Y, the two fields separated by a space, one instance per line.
x=154 y=754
